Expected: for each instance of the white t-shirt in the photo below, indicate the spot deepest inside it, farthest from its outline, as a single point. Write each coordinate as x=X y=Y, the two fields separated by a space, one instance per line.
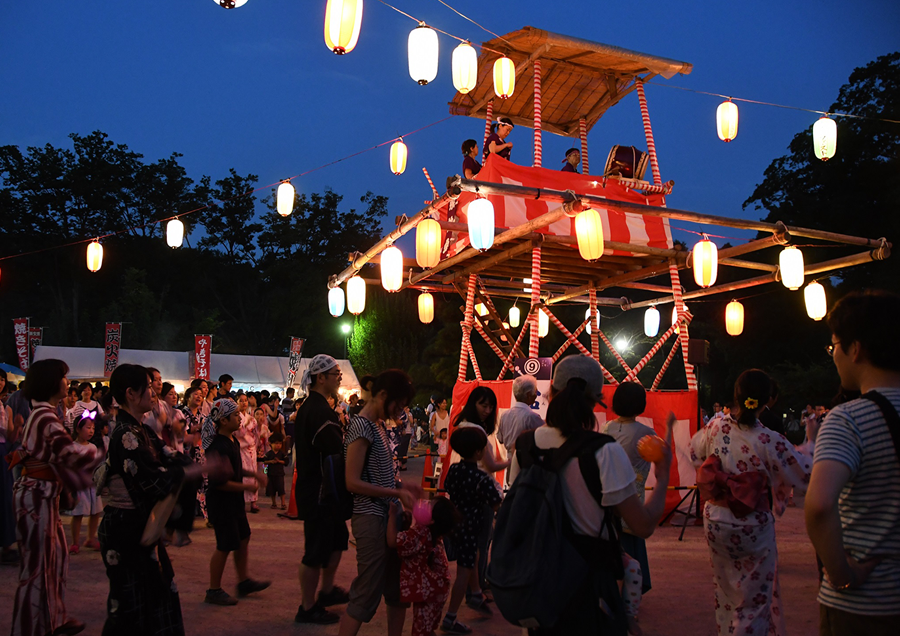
x=616 y=474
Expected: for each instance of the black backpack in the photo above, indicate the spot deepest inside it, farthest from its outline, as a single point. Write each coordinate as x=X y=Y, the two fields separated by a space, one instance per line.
x=333 y=494
x=537 y=561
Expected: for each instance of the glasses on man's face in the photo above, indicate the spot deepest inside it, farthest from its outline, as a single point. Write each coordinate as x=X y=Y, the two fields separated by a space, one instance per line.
x=829 y=349
x=334 y=373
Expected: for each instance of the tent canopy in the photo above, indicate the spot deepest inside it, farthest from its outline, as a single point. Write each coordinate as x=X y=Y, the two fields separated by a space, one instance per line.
x=86 y=363
x=579 y=79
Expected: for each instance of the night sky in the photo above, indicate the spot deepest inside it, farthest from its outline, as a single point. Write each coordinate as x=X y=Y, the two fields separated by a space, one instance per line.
x=256 y=89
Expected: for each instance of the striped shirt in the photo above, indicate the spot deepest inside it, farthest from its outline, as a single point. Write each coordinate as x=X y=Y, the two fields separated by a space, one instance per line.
x=857 y=435
x=378 y=469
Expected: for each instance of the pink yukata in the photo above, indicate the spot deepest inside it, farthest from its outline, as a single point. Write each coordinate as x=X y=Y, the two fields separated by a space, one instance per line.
x=248 y=437
x=424 y=577
x=737 y=467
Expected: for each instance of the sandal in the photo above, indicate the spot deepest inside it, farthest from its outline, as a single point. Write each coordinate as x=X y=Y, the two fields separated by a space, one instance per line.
x=283 y=506
x=274 y=506
x=74 y=548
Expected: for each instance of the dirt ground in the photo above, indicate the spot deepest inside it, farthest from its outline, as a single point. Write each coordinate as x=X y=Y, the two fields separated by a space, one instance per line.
x=681 y=601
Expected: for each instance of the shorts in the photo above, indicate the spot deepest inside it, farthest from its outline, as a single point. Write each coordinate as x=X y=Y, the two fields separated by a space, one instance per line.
x=377 y=569
x=230 y=526
x=323 y=535
x=275 y=486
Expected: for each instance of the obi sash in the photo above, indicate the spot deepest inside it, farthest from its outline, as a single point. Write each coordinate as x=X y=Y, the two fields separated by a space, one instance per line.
x=743 y=493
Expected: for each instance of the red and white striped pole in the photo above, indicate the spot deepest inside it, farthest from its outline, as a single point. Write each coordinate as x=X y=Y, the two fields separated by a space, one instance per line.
x=684 y=336
x=431 y=183
x=653 y=350
x=466 y=324
x=648 y=132
x=490 y=342
x=582 y=128
x=538 y=147
x=606 y=374
x=567 y=344
x=595 y=328
x=488 y=120
x=617 y=355
x=665 y=366
x=533 y=344
x=508 y=363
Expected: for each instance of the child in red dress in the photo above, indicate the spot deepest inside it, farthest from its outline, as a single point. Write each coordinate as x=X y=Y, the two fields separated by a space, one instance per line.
x=424 y=570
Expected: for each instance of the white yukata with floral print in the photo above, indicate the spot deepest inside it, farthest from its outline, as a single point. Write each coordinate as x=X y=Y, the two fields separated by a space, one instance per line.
x=742 y=550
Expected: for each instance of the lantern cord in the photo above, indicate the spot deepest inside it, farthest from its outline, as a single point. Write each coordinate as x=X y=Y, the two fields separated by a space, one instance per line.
x=234 y=198
x=753 y=101
x=465 y=17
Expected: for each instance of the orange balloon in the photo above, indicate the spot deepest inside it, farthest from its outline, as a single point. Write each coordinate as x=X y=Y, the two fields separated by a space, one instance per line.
x=651 y=448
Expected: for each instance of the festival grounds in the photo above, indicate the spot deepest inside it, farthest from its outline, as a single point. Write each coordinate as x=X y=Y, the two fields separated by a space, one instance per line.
x=682 y=583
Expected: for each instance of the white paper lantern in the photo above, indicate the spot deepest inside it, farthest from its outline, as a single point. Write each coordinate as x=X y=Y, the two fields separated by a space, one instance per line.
x=428 y=243
x=675 y=319
x=727 y=120
x=824 y=138
x=398 y=157
x=230 y=4
x=705 y=262
x=734 y=318
x=589 y=234
x=651 y=322
x=356 y=295
x=422 y=50
x=480 y=216
x=816 y=305
x=587 y=314
x=514 y=316
x=481 y=309
x=465 y=67
x=790 y=261
x=284 y=198
x=94 y=256
x=543 y=323
x=426 y=307
x=336 y=301
x=174 y=233
x=392 y=269
x=343 y=19
x=504 y=77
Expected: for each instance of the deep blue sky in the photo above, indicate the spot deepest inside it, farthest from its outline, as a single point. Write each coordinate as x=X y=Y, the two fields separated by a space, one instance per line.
x=256 y=89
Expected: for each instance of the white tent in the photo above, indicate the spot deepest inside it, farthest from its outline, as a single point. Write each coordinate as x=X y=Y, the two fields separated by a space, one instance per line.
x=249 y=372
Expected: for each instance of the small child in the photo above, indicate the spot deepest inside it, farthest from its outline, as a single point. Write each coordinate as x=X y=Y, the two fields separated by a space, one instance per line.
x=225 y=506
x=275 y=461
x=471 y=490
x=424 y=570
x=87 y=502
x=443 y=443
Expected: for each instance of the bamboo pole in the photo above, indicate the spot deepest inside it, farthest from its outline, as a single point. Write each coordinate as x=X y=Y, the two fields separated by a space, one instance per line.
x=734 y=262
x=361 y=259
x=506 y=255
x=647 y=272
x=501 y=189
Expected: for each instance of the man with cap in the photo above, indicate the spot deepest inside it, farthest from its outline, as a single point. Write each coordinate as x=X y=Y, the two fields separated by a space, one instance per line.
x=573 y=158
x=519 y=418
x=325 y=534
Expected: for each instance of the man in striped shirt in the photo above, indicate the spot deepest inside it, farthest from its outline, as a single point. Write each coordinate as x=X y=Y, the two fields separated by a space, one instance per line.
x=853 y=502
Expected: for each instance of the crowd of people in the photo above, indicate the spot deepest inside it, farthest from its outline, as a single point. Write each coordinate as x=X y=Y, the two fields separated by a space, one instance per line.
x=144 y=464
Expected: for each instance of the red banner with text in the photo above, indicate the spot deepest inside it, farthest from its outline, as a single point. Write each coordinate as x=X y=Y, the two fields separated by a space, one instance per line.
x=113 y=342
x=202 y=352
x=35 y=340
x=20 y=331
x=296 y=354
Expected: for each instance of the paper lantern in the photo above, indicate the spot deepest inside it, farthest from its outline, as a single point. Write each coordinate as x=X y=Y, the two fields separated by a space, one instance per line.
x=428 y=243
x=426 y=307
x=336 y=301
x=790 y=261
x=342 y=21
x=824 y=138
x=514 y=316
x=174 y=233
x=480 y=215
x=284 y=198
x=356 y=295
x=481 y=310
x=705 y=257
x=734 y=318
x=465 y=67
x=422 y=49
x=587 y=314
x=94 y=256
x=727 y=120
x=230 y=4
x=392 y=269
x=675 y=319
x=543 y=323
x=589 y=233
x=651 y=322
x=398 y=157
x=816 y=305
x=504 y=77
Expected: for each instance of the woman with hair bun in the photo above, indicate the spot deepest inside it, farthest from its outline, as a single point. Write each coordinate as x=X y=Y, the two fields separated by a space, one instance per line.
x=740 y=462
x=496 y=142
x=50 y=460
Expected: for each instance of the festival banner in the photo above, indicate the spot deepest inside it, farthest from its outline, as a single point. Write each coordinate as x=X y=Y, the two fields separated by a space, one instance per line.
x=202 y=352
x=35 y=339
x=296 y=354
x=113 y=341
x=20 y=331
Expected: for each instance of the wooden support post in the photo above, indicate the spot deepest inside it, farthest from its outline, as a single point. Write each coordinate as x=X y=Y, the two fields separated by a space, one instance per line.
x=538 y=148
x=488 y=120
x=534 y=341
x=582 y=129
x=684 y=337
x=648 y=132
x=595 y=329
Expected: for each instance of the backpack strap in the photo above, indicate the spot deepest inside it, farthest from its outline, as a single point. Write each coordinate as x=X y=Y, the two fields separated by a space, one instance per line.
x=890 y=417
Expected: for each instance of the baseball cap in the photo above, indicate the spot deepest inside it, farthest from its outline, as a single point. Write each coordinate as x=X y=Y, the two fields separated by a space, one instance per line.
x=584 y=367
